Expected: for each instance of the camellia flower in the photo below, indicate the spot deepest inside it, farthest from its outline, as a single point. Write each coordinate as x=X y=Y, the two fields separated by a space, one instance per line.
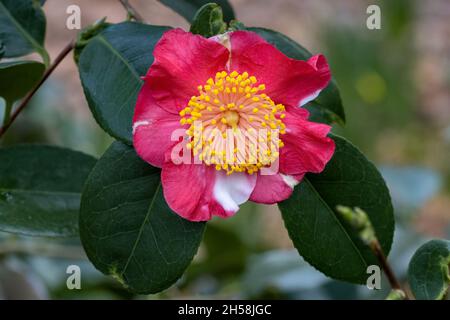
x=229 y=83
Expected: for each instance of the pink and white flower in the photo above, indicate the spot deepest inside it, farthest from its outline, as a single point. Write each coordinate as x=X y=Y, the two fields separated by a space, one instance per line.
x=236 y=81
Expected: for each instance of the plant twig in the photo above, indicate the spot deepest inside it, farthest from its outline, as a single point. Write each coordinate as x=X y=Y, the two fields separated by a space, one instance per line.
x=28 y=97
x=360 y=221
x=376 y=249
x=131 y=11
x=396 y=294
x=393 y=281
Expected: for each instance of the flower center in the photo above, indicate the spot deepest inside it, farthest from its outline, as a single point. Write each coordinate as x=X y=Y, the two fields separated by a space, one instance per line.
x=234 y=125
x=231 y=118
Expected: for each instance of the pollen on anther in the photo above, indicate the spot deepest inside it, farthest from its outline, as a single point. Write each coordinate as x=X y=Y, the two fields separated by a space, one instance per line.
x=222 y=102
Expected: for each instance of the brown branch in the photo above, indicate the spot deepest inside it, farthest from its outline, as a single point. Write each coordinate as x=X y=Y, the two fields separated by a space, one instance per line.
x=28 y=97
x=376 y=248
x=131 y=11
x=393 y=281
x=360 y=221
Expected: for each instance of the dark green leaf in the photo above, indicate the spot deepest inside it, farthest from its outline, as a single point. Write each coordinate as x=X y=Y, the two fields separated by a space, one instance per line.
x=18 y=77
x=188 y=8
x=126 y=227
x=283 y=43
x=329 y=99
x=208 y=21
x=85 y=35
x=2 y=50
x=318 y=114
x=40 y=188
x=317 y=230
x=235 y=25
x=110 y=68
x=429 y=270
x=22 y=28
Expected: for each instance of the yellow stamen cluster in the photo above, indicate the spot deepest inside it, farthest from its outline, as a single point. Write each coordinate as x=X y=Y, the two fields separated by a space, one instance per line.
x=230 y=104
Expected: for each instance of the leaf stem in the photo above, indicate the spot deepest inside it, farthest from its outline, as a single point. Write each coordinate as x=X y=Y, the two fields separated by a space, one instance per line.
x=132 y=13
x=28 y=97
x=7 y=113
x=45 y=57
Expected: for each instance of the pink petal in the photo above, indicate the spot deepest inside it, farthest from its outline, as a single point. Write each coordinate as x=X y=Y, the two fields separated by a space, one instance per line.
x=270 y=189
x=306 y=145
x=183 y=187
x=288 y=81
x=199 y=192
x=153 y=128
x=183 y=61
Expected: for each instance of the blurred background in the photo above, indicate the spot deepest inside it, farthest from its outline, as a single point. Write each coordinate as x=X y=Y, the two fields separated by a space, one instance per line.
x=395 y=85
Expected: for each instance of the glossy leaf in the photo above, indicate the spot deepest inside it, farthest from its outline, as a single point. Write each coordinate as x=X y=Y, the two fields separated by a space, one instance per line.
x=22 y=28
x=40 y=189
x=319 y=114
x=86 y=34
x=110 y=68
x=18 y=77
x=329 y=99
x=188 y=8
x=429 y=270
x=2 y=50
x=208 y=21
x=126 y=227
x=318 y=232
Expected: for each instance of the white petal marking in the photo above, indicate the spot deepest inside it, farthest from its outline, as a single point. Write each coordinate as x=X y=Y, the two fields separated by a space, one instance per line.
x=140 y=123
x=289 y=180
x=224 y=39
x=232 y=190
x=309 y=98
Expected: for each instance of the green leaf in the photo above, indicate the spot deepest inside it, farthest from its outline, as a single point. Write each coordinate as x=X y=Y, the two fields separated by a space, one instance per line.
x=2 y=50
x=329 y=99
x=318 y=231
x=208 y=21
x=40 y=189
x=22 y=25
x=86 y=34
x=319 y=114
x=283 y=43
x=188 y=8
x=110 y=68
x=429 y=270
x=126 y=227
x=17 y=78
